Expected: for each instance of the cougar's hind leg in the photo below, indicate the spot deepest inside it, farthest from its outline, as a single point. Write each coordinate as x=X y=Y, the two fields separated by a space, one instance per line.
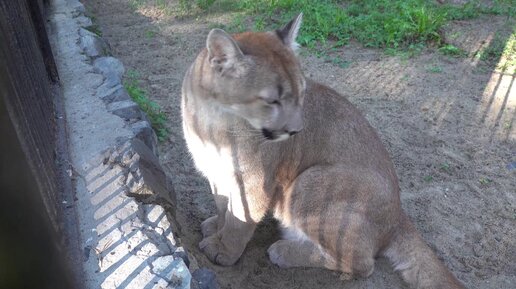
x=298 y=251
x=287 y=253
x=333 y=206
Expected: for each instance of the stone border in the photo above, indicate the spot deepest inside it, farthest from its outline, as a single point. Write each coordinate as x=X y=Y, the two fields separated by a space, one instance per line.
x=123 y=198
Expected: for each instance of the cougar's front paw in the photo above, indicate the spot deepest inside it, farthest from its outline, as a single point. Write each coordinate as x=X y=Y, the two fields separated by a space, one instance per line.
x=209 y=226
x=213 y=248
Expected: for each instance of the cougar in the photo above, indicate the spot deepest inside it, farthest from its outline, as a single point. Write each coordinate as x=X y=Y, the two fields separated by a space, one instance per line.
x=270 y=140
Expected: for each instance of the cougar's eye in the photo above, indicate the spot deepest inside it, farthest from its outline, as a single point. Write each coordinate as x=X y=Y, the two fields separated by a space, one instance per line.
x=269 y=101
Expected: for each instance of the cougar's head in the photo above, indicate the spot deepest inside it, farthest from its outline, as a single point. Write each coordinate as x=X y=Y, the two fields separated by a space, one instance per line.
x=258 y=77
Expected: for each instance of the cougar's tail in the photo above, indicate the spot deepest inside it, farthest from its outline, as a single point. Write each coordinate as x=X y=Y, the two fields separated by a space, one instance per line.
x=419 y=266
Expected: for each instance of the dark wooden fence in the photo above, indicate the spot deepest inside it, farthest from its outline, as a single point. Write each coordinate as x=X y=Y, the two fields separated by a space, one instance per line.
x=27 y=76
x=34 y=238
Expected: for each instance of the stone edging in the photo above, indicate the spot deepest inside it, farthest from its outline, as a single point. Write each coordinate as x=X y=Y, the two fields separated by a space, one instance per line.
x=124 y=199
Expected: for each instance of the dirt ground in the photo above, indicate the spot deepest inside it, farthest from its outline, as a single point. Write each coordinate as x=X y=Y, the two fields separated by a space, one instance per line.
x=448 y=123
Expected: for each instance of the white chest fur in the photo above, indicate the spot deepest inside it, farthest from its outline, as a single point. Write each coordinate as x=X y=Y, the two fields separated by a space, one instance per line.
x=213 y=161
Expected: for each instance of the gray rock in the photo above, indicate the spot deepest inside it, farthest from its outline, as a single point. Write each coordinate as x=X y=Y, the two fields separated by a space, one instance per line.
x=125 y=109
x=112 y=94
x=84 y=21
x=111 y=80
x=173 y=270
x=108 y=64
x=77 y=6
x=161 y=264
x=147 y=176
x=478 y=250
x=112 y=70
x=144 y=132
x=204 y=279
x=85 y=32
x=180 y=252
x=92 y=45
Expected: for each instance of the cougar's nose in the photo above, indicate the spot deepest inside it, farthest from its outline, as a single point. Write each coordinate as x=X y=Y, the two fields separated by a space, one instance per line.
x=268 y=134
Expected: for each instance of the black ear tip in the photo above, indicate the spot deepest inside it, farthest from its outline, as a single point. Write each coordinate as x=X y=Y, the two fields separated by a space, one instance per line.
x=284 y=32
x=281 y=34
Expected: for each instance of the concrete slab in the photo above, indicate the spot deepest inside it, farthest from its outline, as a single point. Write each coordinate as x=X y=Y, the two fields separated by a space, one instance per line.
x=127 y=238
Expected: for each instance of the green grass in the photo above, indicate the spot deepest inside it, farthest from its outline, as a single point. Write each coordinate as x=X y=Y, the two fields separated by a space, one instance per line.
x=157 y=118
x=428 y=178
x=337 y=61
x=400 y=27
x=485 y=181
x=474 y=8
x=150 y=34
x=434 y=69
x=494 y=50
x=451 y=50
x=94 y=28
x=406 y=52
x=445 y=167
x=501 y=50
x=135 y=4
x=394 y=24
x=203 y=4
x=381 y=23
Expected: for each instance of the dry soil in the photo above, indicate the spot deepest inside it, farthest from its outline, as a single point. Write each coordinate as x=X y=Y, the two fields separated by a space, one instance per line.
x=448 y=123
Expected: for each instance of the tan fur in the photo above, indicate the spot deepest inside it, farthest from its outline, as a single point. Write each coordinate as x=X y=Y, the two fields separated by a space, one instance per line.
x=332 y=185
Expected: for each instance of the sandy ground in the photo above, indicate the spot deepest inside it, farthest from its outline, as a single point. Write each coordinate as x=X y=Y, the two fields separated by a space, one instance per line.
x=449 y=124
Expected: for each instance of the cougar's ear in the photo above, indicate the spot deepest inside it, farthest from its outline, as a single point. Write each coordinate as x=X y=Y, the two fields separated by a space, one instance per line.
x=289 y=32
x=223 y=53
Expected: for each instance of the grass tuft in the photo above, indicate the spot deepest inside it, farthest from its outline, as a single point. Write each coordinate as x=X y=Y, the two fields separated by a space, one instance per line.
x=485 y=181
x=428 y=178
x=452 y=50
x=94 y=28
x=434 y=69
x=157 y=118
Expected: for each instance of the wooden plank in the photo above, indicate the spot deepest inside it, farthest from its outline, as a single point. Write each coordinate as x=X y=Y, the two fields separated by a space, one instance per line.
x=36 y=8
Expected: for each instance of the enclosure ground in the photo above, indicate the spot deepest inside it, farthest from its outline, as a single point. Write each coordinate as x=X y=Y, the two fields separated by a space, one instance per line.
x=448 y=123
